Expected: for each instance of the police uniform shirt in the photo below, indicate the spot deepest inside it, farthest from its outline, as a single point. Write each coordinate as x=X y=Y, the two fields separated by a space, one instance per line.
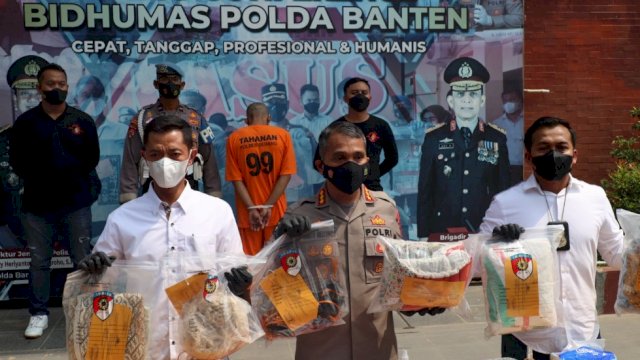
x=203 y=135
x=364 y=336
x=456 y=184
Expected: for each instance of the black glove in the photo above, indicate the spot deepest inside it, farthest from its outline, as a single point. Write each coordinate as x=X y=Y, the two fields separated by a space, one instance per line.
x=431 y=311
x=292 y=225
x=508 y=232
x=96 y=263
x=328 y=309
x=239 y=280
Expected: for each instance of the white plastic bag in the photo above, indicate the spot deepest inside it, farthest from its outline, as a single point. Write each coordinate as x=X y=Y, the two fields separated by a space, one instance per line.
x=628 y=297
x=214 y=323
x=521 y=282
x=108 y=315
x=419 y=274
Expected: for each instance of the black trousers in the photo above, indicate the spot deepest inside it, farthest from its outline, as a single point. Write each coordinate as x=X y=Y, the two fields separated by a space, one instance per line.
x=513 y=347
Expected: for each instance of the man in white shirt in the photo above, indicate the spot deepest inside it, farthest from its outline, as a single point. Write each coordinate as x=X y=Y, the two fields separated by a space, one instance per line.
x=169 y=220
x=552 y=194
x=512 y=121
x=312 y=119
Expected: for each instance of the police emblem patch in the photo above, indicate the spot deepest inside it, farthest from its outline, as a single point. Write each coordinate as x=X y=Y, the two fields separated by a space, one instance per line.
x=522 y=265
x=465 y=71
x=378 y=267
x=76 y=129
x=327 y=250
x=290 y=262
x=103 y=304
x=210 y=286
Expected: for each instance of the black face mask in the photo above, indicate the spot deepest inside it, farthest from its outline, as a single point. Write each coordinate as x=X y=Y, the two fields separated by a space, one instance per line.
x=55 y=96
x=312 y=107
x=359 y=103
x=347 y=177
x=553 y=165
x=278 y=111
x=169 y=90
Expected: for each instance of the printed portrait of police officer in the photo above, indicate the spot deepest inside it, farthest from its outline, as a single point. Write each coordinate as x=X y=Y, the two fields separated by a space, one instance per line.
x=22 y=79
x=464 y=161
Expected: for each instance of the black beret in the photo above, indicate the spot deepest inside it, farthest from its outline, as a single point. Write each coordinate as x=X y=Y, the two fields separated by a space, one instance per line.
x=465 y=69
x=23 y=73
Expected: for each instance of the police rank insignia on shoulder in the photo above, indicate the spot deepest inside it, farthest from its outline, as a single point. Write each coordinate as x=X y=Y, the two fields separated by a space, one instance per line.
x=488 y=151
x=496 y=127
x=434 y=128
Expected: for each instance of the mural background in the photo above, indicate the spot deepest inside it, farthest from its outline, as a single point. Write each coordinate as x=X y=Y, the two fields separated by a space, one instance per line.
x=112 y=86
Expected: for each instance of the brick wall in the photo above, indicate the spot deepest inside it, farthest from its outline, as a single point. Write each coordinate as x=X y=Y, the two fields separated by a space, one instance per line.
x=587 y=53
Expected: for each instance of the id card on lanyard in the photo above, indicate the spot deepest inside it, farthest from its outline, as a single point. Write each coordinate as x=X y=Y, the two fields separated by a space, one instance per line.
x=565 y=243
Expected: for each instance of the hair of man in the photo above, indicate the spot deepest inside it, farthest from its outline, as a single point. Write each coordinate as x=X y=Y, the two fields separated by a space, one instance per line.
x=547 y=122
x=167 y=123
x=256 y=112
x=50 y=66
x=308 y=87
x=340 y=127
x=354 y=80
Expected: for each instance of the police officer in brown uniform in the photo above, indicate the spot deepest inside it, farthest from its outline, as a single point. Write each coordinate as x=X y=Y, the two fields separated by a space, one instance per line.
x=465 y=161
x=359 y=215
x=134 y=175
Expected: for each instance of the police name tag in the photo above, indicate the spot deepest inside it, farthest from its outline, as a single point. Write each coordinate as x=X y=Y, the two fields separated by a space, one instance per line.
x=445 y=144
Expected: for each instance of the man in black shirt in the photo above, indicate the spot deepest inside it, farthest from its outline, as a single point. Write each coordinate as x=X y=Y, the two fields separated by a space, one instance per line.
x=54 y=149
x=357 y=93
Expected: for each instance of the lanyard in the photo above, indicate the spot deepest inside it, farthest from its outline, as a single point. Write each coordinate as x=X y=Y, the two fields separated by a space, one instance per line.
x=564 y=204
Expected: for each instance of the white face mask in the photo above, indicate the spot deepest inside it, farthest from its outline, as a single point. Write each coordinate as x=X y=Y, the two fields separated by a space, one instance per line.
x=511 y=107
x=166 y=172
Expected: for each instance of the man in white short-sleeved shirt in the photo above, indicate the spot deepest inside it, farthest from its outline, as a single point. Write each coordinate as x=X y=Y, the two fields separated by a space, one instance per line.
x=169 y=220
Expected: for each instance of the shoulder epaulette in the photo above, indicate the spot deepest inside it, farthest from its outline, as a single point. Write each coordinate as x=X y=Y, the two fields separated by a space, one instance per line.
x=496 y=127
x=383 y=196
x=300 y=203
x=434 y=128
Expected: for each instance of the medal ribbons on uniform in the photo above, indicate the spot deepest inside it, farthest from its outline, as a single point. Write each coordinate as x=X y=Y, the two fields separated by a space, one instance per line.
x=488 y=151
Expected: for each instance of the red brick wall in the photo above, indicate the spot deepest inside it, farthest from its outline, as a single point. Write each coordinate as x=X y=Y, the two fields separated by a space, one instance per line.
x=587 y=53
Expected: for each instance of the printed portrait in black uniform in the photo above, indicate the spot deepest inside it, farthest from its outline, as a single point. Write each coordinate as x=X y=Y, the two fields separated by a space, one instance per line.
x=464 y=162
